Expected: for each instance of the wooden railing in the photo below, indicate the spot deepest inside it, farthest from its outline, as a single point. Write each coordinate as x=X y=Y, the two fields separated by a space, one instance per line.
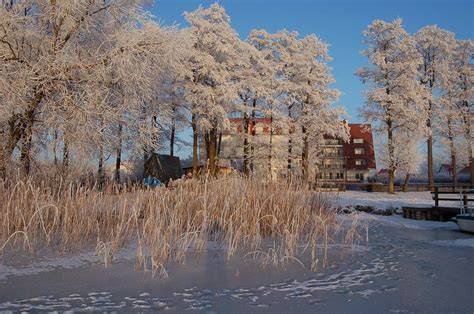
x=459 y=194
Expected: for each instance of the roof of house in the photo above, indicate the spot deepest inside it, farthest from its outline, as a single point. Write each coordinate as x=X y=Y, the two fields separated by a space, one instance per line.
x=465 y=171
x=445 y=168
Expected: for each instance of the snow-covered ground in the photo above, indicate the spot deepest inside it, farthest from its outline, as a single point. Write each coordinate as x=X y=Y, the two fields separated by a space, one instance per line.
x=385 y=200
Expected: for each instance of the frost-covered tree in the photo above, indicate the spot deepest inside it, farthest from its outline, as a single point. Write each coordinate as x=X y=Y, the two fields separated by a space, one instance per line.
x=288 y=47
x=302 y=95
x=435 y=46
x=216 y=53
x=448 y=118
x=449 y=128
x=395 y=99
x=78 y=69
x=463 y=90
x=253 y=79
x=271 y=106
x=315 y=116
x=407 y=156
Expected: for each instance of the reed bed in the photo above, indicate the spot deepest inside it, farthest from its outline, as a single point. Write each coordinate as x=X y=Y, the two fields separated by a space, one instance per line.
x=274 y=222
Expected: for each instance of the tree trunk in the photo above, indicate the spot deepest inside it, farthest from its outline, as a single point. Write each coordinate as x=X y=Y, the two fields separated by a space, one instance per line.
x=27 y=135
x=211 y=142
x=391 y=166
x=15 y=127
x=391 y=181
x=246 y=141
x=430 y=153
x=195 y=145
x=25 y=150
x=405 y=184
x=253 y=129
x=55 y=147
x=271 y=148
x=471 y=170
x=18 y=125
x=430 y=163
x=219 y=143
x=305 y=150
x=173 y=131
x=290 y=148
x=65 y=154
x=147 y=150
x=468 y=137
x=118 y=160
x=452 y=150
x=290 y=144
x=304 y=156
x=100 y=170
x=454 y=170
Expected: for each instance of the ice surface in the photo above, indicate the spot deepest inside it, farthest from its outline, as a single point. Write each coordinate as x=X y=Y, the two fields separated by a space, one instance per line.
x=395 y=273
x=468 y=243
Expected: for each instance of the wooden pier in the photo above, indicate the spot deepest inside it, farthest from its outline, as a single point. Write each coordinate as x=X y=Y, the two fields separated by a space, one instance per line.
x=462 y=195
x=430 y=213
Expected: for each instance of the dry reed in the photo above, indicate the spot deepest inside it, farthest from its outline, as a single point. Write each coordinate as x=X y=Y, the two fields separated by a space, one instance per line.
x=275 y=222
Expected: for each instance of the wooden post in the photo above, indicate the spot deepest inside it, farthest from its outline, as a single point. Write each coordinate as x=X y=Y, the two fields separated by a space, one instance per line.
x=436 y=196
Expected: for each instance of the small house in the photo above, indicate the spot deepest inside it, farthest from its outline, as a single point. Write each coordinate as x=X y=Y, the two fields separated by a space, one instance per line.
x=163 y=167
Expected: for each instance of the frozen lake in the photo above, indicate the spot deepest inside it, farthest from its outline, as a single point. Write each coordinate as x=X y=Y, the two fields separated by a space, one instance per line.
x=417 y=267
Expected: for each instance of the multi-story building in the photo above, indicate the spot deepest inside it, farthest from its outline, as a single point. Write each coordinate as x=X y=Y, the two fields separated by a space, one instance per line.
x=352 y=161
x=232 y=146
x=359 y=152
x=332 y=165
x=339 y=161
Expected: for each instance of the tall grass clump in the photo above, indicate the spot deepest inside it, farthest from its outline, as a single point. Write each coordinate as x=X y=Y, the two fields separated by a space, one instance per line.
x=275 y=222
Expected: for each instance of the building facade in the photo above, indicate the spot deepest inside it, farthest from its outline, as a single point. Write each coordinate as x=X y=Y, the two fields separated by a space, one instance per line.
x=352 y=161
x=360 y=153
x=339 y=161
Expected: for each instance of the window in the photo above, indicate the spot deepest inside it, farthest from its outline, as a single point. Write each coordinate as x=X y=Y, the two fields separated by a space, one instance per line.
x=358 y=151
x=358 y=141
x=360 y=162
x=331 y=141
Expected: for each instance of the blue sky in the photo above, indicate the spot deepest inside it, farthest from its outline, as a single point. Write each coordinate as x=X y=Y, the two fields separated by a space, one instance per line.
x=339 y=23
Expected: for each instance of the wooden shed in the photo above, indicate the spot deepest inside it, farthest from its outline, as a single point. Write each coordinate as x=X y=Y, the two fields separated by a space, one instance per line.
x=163 y=167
